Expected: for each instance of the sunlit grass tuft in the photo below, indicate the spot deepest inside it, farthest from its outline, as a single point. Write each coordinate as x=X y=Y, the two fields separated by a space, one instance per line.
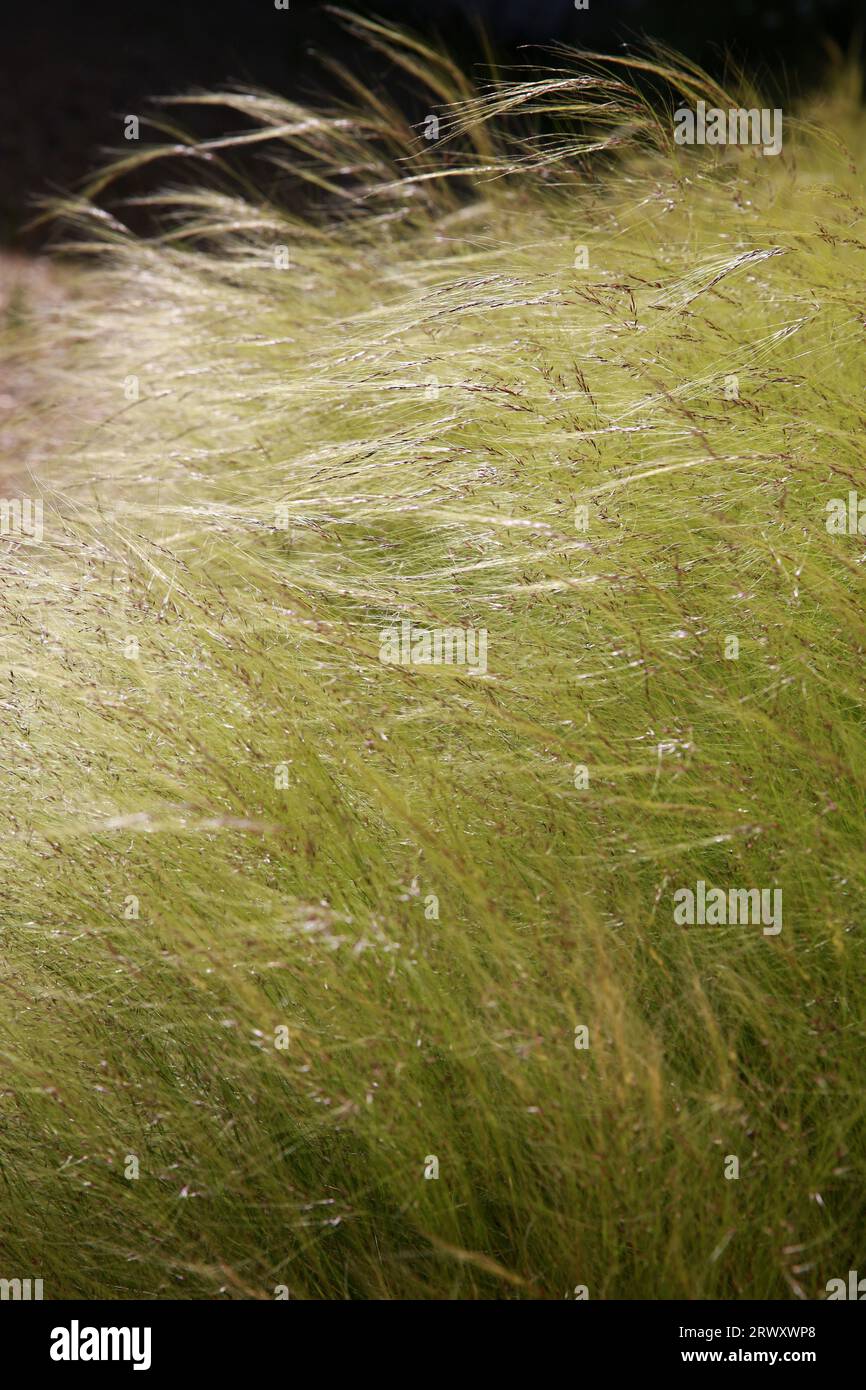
x=227 y=824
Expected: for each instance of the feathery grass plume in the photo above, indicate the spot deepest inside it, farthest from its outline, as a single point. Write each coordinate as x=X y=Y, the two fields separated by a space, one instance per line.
x=290 y=929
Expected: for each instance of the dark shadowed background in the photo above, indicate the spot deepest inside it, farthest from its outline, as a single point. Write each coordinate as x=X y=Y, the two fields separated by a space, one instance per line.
x=70 y=71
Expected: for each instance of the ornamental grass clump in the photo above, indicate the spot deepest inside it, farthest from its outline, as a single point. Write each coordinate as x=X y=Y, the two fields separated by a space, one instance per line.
x=434 y=584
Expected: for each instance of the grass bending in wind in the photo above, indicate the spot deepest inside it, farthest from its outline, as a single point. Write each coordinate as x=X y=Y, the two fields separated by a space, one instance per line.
x=224 y=816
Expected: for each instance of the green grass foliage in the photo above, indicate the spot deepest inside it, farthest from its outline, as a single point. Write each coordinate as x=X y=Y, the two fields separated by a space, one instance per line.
x=283 y=922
